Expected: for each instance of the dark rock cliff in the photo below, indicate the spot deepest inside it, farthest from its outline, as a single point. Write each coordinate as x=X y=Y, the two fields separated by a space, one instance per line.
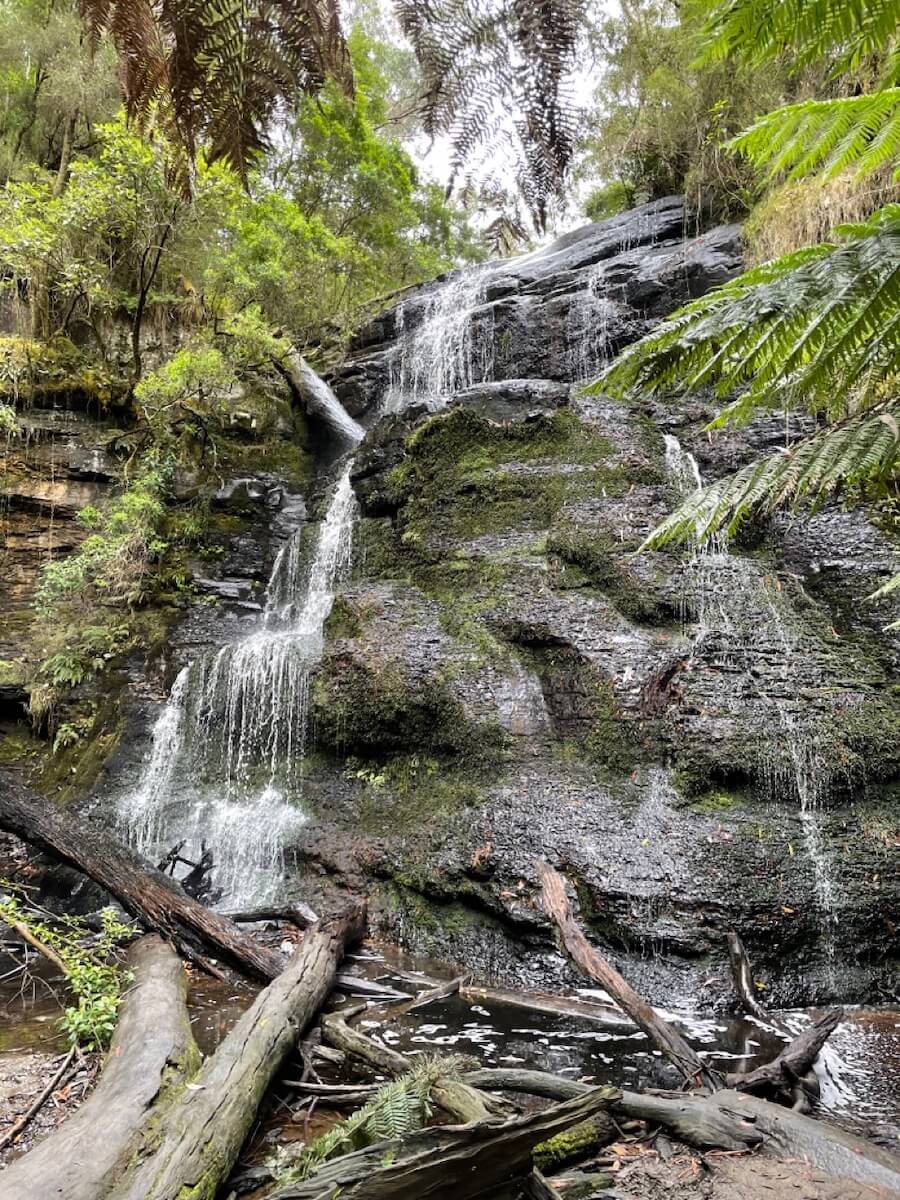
x=702 y=742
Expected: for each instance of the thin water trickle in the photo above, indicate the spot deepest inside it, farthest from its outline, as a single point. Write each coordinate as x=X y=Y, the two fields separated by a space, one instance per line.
x=442 y=352
x=224 y=769
x=720 y=589
x=588 y=324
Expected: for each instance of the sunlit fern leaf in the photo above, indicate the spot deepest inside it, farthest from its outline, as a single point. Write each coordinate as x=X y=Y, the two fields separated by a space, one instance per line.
x=807 y=328
x=859 y=133
x=863 y=450
x=218 y=70
x=483 y=59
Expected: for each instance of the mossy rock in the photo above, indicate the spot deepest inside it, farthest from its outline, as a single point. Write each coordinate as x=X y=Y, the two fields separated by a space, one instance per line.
x=372 y=710
x=464 y=477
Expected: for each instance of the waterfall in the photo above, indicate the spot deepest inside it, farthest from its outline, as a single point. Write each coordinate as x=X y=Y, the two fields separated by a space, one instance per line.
x=725 y=587
x=321 y=400
x=442 y=352
x=224 y=768
x=587 y=327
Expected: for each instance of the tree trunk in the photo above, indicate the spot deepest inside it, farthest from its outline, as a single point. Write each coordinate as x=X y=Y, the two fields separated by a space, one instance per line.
x=151 y=1052
x=447 y=1163
x=795 y=1059
x=669 y=1040
x=199 y=1136
x=154 y=899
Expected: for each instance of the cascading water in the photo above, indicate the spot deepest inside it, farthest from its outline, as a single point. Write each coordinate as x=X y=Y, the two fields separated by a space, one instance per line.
x=443 y=352
x=723 y=587
x=587 y=329
x=224 y=769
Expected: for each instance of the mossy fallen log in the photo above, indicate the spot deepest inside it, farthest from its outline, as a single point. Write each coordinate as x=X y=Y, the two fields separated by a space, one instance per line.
x=448 y=1162
x=200 y=1132
x=151 y=1055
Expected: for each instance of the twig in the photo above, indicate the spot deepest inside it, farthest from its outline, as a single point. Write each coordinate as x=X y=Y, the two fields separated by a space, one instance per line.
x=26 y=1117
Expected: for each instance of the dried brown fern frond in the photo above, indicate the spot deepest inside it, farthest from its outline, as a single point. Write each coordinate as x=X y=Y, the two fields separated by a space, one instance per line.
x=218 y=70
x=501 y=69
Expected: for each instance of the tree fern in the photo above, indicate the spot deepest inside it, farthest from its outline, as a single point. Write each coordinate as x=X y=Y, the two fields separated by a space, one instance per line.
x=861 y=133
x=845 y=31
x=396 y=1109
x=484 y=59
x=861 y=451
x=811 y=326
x=219 y=69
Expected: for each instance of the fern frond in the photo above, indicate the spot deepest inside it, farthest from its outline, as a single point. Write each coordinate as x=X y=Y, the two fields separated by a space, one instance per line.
x=809 y=327
x=218 y=69
x=831 y=136
x=862 y=450
x=811 y=30
x=398 y=1108
x=484 y=59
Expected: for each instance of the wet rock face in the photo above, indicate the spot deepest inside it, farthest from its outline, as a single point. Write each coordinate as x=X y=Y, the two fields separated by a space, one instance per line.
x=702 y=743
x=553 y=315
x=58 y=465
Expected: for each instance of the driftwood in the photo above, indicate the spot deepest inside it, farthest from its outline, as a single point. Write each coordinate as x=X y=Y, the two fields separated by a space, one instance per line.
x=742 y=978
x=296 y=913
x=446 y=1163
x=668 y=1039
x=355 y=985
x=455 y=1097
x=789 y=1077
x=151 y=1050
x=202 y=1130
x=557 y=1006
x=152 y=897
x=795 y=1060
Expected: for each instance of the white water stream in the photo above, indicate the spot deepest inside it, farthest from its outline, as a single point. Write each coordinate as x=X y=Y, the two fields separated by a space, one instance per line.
x=443 y=352
x=224 y=771
x=225 y=767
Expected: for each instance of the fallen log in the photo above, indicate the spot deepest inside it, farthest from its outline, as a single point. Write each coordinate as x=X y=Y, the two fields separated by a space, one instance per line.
x=662 y=1034
x=146 y=893
x=152 y=1049
x=700 y=1125
x=784 y=1074
x=455 y=1097
x=296 y=913
x=557 y=1006
x=448 y=1162
x=745 y=1120
x=201 y=1132
x=790 y=1134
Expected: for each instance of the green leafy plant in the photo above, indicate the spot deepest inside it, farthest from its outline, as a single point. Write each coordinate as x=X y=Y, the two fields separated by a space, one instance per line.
x=396 y=1109
x=95 y=980
x=813 y=330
